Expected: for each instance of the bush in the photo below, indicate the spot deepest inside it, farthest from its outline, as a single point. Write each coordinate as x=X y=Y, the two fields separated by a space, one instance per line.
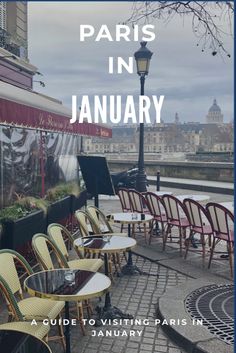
x=62 y=190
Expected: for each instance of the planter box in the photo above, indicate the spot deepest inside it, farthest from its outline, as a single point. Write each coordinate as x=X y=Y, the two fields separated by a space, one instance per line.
x=16 y=234
x=78 y=202
x=59 y=210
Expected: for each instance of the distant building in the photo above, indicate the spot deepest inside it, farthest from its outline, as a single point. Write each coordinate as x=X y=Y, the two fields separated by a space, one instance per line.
x=175 y=137
x=214 y=115
x=13 y=27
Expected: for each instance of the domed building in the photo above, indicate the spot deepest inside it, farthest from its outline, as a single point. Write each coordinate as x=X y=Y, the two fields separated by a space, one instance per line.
x=214 y=115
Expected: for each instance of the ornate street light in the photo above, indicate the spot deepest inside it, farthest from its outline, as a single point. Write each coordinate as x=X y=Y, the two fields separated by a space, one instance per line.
x=142 y=57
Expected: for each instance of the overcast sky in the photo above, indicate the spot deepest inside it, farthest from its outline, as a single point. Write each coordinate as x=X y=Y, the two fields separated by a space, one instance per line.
x=188 y=78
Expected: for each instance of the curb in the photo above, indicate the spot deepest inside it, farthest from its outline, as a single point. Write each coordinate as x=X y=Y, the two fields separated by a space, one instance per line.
x=194 y=339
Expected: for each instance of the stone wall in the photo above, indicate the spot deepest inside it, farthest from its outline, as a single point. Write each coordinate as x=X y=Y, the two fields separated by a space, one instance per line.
x=188 y=170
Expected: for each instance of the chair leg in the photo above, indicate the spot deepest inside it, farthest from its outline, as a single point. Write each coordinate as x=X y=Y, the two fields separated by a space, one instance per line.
x=151 y=232
x=61 y=333
x=187 y=242
x=145 y=232
x=80 y=315
x=180 y=240
x=230 y=252
x=212 y=250
x=165 y=236
x=203 y=249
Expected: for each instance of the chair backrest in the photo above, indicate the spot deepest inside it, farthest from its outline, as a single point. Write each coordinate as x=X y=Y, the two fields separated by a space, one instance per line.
x=10 y=300
x=137 y=201
x=155 y=205
x=220 y=218
x=43 y=248
x=58 y=233
x=175 y=210
x=123 y=195
x=197 y=214
x=99 y=219
x=8 y=270
x=84 y=220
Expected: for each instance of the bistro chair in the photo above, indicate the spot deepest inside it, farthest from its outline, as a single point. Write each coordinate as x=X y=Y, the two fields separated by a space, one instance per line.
x=199 y=224
x=31 y=307
x=220 y=218
x=41 y=244
x=101 y=221
x=86 y=224
x=138 y=205
x=176 y=217
x=44 y=248
x=157 y=210
x=104 y=227
x=123 y=195
x=21 y=322
x=58 y=233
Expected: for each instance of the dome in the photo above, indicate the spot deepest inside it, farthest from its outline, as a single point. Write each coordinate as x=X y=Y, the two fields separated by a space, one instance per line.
x=215 y=108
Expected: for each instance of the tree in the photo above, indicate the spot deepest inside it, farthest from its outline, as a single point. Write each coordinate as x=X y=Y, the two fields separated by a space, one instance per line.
x=207 y=17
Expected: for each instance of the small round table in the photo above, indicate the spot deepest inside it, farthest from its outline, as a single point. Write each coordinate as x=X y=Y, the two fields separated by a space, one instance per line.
x=130 y=219
x=53 y=285
x=114 y=244
x=12 y=341
x=229 y=205
x=161 y=193
x=195 y=197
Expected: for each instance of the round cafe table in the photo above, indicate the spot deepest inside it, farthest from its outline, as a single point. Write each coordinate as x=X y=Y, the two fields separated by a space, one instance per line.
x=54 y=285
x=197 y=197
x=112 y=244
x=229 y=205
x=12 y=341
x=130 y=219
x=161 y=193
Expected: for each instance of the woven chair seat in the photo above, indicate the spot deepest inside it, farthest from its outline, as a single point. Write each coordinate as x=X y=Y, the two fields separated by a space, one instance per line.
x=86 y=264
x=39 y=309
x=39 y=330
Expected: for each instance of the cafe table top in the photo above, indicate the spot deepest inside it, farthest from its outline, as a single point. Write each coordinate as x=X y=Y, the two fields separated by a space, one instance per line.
x=229 y=205
x=114 y=243
x=130 y=218
x=195 y=197
x=12 y=341
x=52 y=284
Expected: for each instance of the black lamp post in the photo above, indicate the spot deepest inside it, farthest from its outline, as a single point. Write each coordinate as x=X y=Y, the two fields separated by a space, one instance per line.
x=142 y=57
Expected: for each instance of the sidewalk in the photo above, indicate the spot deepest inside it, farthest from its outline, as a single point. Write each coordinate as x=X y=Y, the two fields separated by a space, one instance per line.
x=192 y=184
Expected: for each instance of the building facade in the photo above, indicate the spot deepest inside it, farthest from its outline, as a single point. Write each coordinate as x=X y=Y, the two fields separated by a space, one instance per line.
x=169 y=138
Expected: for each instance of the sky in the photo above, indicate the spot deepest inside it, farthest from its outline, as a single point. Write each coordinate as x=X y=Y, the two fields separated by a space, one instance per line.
x=188 y=78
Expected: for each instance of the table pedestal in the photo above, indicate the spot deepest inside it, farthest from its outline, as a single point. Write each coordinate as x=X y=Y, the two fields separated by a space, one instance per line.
x=130 y=269
x=109 y=311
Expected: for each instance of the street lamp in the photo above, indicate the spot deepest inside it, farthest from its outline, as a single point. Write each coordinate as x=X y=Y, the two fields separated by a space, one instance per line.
x=142 y=57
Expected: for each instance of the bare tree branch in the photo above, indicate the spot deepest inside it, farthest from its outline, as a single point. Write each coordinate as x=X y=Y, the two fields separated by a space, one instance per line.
x=207 y=18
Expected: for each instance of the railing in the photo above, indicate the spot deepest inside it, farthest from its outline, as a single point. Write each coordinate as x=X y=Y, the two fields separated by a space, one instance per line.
x=5 y=43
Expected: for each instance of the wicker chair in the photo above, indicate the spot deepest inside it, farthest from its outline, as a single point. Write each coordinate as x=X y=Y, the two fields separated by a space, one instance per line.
x=176 y=217
x=42 y=245
x=57 y=232
x=222 y=222
x=199 y=224
x=86 y=224
x=101 y=221
x=20 y=323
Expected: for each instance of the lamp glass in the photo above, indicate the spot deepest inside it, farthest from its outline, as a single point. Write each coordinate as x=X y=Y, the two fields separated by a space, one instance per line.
x=142 y=66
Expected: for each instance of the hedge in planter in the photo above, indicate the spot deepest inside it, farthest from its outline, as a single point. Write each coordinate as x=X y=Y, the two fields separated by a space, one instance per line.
x=21 y=221
x=63 y=199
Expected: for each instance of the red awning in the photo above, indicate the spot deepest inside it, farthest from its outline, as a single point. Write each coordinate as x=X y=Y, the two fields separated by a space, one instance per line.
x=22 y=108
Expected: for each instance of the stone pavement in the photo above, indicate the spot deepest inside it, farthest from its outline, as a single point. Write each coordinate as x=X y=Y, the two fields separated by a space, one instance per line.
x=138 y=296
